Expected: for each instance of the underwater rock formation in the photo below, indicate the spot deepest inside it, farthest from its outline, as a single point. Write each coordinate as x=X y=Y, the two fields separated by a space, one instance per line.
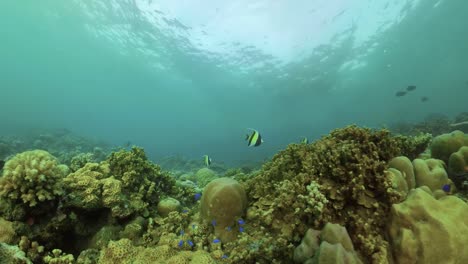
x=424 y=229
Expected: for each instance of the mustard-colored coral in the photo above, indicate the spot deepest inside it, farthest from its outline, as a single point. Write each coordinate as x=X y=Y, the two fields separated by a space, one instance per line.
x=431 y=173
x=348 y=166
x=58 y=257
x=424 y=229
x=444 y=145
x=222 y=203
x=32 y=177
x=458 y=161
x=7 y=233
x=84 y=186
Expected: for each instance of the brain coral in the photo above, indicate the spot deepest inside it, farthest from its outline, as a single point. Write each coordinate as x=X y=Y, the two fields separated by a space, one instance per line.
x=32 y=177
x=223 y=201
x=348 y=167
x=426 y=230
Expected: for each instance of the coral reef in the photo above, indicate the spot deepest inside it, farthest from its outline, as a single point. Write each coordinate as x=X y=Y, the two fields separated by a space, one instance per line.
x=424 y=229
x=348 y=165
x=32 y=177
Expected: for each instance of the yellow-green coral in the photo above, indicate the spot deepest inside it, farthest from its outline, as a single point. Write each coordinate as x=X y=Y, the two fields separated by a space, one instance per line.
x=7 y=233
x=32 y=177
x=12 y=254
x=444 y=145
x=58 y=257
x=458 y=161
x=349 y=168
x=126 y=183
x=424 y=229
x=222 y=203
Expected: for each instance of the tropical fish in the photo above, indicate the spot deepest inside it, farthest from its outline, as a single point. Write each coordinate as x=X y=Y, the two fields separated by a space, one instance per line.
x=254 y=139
x=181 y=243
x=2 y=163
x=424 y=99
x=446 y=188
x=411 y=88
x=241 y=221
x=305 y=140
x=400 y=93
x=197 y=196
x=216 y=240
x=207 y=160
x=190 y=243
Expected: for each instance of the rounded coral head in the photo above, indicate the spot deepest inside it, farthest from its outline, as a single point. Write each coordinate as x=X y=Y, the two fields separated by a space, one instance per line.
x=223 y=202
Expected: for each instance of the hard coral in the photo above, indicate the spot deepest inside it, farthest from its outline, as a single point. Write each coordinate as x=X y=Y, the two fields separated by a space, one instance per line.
x=126 y=183
x=348 y=166
x=424 y=229
x=222 y=203
x=32 y=177
x=444 y=145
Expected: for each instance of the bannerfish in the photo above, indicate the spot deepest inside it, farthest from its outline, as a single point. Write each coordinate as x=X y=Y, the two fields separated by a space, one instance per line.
x=2 y=163
x=400 y=93
x=207 y=160
x=424 y=99
x=411 y=88
x=305 y=140
x=254 y=139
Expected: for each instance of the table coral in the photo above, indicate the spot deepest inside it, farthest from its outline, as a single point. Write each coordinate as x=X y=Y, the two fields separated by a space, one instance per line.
x=348 y=166
x=32 y=177
x=426 y=230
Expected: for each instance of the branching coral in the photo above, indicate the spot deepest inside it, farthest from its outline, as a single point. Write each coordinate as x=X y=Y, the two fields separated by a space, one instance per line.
x=32 y=177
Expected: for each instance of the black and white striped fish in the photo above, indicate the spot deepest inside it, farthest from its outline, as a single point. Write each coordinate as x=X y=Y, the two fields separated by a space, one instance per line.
x=254 y=139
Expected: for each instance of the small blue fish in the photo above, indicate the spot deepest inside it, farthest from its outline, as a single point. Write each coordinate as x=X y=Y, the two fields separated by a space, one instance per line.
x=185 y=211
x=190 y=243
x=182 y=232
x=216 y=240
x=194 y=226
x=446 y=188
x=229 y=228
x=241 y=229
x=181 y=243
x=240 y=221
x=224 y=256
x=213 y=222
x=197 y=196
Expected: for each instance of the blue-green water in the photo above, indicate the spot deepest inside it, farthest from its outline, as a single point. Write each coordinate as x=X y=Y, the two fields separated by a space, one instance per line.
x=189 y=77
